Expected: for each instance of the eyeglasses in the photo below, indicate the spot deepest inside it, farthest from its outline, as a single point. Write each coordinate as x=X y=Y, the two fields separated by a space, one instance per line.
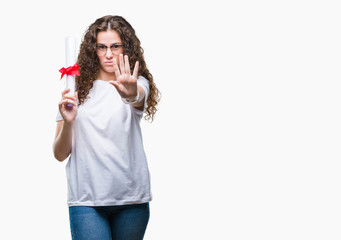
x=102 y=49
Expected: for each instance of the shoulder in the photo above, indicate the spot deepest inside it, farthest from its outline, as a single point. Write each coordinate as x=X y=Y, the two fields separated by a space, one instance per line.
x=142 y=78
x=143 y=82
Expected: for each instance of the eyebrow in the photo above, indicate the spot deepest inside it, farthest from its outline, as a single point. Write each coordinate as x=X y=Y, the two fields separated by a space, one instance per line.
x=110 y=44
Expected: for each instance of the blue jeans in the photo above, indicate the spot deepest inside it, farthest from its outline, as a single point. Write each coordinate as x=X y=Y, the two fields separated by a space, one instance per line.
x=127 y=222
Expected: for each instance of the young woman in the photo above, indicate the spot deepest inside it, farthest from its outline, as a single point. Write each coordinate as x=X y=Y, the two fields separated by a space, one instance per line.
x=107 y=172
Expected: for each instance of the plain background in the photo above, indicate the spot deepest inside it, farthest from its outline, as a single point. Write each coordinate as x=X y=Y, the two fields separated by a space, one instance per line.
x=246 y=144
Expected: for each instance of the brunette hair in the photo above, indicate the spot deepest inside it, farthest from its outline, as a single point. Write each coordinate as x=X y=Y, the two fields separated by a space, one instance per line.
x=89 y=65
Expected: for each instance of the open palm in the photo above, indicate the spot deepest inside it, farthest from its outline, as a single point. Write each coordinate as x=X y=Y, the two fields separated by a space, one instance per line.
x=126 y=83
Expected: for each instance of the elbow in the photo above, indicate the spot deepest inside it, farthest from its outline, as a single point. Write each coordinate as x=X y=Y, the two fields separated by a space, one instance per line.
x=59 y=157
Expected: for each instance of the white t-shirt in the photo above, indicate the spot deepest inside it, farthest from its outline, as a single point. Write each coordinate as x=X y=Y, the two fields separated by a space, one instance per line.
x=107 y=165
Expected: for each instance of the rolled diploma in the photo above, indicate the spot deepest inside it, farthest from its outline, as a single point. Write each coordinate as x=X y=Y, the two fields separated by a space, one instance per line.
x=70 y=53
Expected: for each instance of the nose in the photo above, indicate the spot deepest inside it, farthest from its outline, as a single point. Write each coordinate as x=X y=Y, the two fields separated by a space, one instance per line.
x=109 y=53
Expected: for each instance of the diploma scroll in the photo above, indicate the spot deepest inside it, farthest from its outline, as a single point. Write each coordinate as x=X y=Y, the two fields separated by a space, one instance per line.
x=70 y=53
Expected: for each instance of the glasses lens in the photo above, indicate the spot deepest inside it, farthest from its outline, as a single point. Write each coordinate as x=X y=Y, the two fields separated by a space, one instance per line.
x=102 y=49
x=115 y=48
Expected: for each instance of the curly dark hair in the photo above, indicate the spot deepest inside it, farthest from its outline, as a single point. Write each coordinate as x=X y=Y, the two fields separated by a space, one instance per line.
x=89 y=64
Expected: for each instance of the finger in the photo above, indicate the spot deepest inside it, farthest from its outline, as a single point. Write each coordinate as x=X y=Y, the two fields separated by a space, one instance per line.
x=136 y=70
x=76 y=96
x=121 y=64
x=62 y=105
x=117 y=85
x=127 y=66
x=116 y=69
x=68 y=101
x=114 y=83
x=65 y=91
x=67 y=96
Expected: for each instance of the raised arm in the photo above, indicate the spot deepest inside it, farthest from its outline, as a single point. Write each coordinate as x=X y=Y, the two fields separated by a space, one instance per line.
x=126 y=83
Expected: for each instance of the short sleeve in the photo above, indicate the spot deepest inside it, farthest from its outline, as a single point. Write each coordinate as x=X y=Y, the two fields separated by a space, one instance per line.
x=59 y=117
x=144 y=84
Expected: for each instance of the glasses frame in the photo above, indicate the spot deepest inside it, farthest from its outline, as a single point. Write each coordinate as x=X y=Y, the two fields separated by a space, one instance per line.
x=114 y=47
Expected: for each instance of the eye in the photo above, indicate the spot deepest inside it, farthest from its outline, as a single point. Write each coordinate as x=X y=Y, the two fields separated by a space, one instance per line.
x=116 y=46
x=101 y=47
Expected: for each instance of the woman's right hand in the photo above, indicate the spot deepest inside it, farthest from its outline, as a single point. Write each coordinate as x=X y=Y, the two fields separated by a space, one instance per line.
x=68 y=114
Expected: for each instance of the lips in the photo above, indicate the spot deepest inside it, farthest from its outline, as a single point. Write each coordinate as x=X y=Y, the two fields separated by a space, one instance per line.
x=109 y=62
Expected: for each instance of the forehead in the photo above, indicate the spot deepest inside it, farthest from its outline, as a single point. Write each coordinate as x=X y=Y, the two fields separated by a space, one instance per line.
x=108 y=37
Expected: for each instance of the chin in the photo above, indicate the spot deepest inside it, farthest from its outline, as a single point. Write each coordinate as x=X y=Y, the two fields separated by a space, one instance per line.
x=108 y=69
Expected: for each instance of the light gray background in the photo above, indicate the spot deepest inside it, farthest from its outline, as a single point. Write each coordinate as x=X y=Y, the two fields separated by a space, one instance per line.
x=246 y=144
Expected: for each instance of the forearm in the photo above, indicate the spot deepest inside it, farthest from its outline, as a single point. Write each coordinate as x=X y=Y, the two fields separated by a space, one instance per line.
x=140 y=101
x=63 y=142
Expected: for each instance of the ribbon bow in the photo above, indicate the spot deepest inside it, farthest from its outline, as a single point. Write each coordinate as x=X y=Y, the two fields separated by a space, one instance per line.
x=72 y=70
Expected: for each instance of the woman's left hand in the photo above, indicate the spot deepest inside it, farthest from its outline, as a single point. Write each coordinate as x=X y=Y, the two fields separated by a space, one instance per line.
x=126 y=84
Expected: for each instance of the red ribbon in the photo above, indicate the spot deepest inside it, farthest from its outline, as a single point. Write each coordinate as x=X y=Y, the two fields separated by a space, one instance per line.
x=72 y=70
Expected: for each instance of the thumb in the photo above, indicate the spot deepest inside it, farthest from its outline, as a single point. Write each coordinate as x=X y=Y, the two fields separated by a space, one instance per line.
x=115 y=84
x=76 y=96
x=112 y=82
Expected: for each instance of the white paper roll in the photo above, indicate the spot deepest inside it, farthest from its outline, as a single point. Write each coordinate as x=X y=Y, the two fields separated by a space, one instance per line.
x=70 y=53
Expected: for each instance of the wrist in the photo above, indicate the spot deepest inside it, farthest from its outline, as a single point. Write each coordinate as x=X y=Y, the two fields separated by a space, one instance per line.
x=68 y=123
x=134 y=100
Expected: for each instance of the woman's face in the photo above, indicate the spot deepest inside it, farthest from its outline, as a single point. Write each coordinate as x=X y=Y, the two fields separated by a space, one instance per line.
x=109 y=46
